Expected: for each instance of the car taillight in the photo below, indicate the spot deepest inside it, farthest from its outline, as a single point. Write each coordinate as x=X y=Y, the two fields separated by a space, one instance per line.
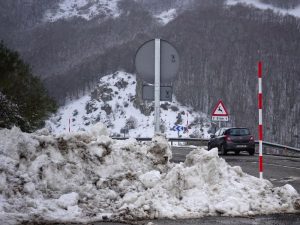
x=251 y=138
x=227 y=138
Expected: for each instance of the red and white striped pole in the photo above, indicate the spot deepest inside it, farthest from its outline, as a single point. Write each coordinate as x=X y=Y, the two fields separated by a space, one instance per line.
x=69 y=125
x=260 y=126
x=187 y=121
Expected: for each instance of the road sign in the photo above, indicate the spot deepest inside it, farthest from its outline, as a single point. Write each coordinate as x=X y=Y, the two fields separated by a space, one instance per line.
x=178 y=128
x=220 y=112
x=220 y=118
x=145 y=60
x=165 y=93
x=157 y=61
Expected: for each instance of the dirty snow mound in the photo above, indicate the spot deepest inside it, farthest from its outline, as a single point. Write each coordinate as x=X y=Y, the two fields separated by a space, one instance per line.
x=87 y=176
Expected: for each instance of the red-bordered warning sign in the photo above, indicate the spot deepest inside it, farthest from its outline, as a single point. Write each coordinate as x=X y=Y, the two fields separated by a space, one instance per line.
x=220 y=112
x=220 y=109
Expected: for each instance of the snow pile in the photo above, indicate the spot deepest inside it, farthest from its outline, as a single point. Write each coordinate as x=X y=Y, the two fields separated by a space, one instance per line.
x=85 y=9
x=88 y=176
x=113 y=102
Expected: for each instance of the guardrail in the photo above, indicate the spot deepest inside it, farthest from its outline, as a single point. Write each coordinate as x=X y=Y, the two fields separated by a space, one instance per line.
x=284 y=147
x=205 y=140
x=169 y=139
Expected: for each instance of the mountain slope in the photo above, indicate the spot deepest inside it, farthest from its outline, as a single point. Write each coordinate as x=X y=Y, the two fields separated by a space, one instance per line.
x=286 y=7
x=68 y=9
x=83 y=8
x=113 y=102
x=219 y=61
x=219 y=46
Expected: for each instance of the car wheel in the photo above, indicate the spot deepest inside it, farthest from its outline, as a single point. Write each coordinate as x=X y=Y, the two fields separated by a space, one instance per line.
x=251 y=151
x=237 y=152
x=223 y=150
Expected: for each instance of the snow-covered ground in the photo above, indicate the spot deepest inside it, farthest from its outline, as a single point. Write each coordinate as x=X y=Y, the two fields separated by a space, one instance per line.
x=89 y=9
x=256 y=3
x=113 y=103
x=87 y=176
x=86 y=9
x=166 y=16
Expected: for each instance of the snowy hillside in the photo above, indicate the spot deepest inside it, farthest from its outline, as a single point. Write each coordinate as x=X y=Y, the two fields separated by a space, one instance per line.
x=87 y=176
x=166 y=16
x=86 y=9
x=258 y=4
x=83 y=8
x=67 y=9
x=113 y=103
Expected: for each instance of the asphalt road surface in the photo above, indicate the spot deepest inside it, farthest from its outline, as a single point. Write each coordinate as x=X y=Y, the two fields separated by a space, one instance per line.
x=286 y=219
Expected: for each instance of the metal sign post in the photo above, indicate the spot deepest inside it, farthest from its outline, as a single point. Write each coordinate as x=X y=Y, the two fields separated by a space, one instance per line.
x=157 y=61
x=157 y=87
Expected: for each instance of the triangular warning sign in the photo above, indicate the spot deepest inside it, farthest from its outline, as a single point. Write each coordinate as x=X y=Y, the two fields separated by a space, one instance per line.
x=220 y=109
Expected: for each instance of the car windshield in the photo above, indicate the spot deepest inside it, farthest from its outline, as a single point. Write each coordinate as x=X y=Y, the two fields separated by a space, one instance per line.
x=239 y=132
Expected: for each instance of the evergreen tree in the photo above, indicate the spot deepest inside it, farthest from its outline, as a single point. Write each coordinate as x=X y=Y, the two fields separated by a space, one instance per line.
x=23 y=99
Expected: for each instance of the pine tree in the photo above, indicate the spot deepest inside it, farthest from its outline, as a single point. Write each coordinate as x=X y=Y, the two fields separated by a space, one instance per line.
x=23 y=99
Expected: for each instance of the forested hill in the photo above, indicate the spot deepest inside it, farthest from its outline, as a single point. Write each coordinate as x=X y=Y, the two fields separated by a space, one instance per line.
x=288 y=4
x=219 y=61
x=219 y=47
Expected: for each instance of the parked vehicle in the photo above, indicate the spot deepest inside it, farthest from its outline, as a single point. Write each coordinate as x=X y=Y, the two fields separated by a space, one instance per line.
x=234 y=139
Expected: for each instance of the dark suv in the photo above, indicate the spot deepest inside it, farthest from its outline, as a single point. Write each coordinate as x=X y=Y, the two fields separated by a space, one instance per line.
x=232 y=139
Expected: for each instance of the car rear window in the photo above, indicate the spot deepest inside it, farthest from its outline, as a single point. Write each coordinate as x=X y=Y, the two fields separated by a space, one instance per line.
x=239 y=132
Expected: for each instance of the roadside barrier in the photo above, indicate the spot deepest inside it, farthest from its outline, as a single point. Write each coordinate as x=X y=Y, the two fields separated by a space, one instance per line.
x=204 y=141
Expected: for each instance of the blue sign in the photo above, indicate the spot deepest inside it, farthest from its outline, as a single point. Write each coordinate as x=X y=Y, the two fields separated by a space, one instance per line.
x=178 y=128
